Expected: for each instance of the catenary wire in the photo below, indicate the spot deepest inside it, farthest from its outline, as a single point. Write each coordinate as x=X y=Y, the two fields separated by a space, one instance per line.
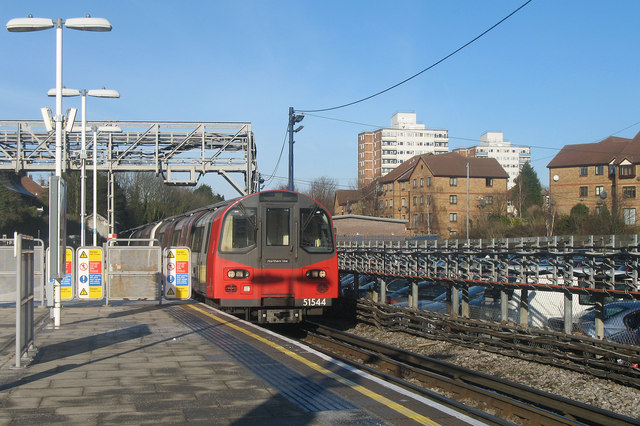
x=424 y=70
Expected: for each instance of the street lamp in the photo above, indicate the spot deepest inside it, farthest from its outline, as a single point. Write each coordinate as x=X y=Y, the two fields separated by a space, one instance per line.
x=98 y=93
x=37 y=24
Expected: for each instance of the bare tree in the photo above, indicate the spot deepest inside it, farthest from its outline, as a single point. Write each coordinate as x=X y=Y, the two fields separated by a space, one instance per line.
x=323 y=190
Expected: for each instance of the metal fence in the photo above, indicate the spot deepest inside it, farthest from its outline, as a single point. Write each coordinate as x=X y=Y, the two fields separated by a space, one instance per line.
x=8 y=270
x=24 y=283
x=134 y=272
x=558 y=282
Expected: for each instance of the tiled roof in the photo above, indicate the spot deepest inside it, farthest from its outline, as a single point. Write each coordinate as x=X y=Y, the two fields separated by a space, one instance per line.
x=449 y=164
x=343 y=196
x=611 y=150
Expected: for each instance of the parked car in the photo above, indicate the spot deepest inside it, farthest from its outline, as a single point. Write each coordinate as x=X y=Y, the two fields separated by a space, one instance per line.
x=427 y=290
x=347 y=282
x=621 y=322
x=439 y=304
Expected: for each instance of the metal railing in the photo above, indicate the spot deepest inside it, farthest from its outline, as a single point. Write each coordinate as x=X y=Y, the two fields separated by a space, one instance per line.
x=24 y=258
x=526 y=281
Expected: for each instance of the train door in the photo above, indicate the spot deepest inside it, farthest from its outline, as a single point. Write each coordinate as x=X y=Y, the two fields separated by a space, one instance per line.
x=279 y=245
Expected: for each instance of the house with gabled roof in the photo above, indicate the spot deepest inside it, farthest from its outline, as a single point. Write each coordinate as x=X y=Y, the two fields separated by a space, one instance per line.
x=432 y=193
x=597 y=174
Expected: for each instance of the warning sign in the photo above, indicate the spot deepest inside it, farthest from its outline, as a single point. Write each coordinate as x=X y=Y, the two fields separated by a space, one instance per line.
x=90 y=268
x=66 y=284
x=177 y=276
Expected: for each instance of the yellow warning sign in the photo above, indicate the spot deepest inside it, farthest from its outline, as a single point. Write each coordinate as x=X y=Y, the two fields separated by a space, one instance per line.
x=95 y=254
x=83 y=292
x=83 y=255
x=170 y=256
x=182 y=254
x=170 y=292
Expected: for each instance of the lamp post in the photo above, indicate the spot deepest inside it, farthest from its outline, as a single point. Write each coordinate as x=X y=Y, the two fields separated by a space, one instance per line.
x=37 y=24
x=104 y=129
x=98 y=93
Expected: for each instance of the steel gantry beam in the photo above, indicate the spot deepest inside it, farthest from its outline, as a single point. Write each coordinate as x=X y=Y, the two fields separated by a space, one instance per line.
x=181 y=152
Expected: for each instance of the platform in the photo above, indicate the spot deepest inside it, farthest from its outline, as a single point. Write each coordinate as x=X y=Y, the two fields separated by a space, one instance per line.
x=184 y=363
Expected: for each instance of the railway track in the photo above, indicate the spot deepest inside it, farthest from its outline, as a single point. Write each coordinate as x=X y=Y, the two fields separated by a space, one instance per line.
x=502 y=401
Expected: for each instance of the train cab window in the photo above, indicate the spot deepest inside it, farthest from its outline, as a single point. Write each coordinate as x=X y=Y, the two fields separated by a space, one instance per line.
x=277 y=226
x=238 y=230
x=315 y=232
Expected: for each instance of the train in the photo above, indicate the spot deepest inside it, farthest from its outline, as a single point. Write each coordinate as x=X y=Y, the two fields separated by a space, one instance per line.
x=268 y=257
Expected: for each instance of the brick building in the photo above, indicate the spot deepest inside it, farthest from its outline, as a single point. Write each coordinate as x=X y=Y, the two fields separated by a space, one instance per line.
x=381 y=151
x=430 y=192
x=597 y=174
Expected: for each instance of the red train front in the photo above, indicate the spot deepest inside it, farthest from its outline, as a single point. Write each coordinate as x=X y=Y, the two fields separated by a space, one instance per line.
x=269 y=256
x=274 y=258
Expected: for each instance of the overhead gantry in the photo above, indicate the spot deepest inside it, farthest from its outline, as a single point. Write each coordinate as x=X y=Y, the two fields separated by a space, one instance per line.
x=181 y=152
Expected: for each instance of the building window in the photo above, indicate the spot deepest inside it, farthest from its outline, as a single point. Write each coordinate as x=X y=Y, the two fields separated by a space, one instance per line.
x=453 y=217
x=415 y=183
x=422 y=199
x=421 y=182
x=453 y=199
x=415 y=200
x=600 y=169
x=415 y=220
x=584 y=171
x=489 y=182
x=489 y=199
x=428 y=180
x=599 y=189
x=404 y=202
x=626 y=171
x=629 y=216
x=584 y=191
x=453 y=181
x=628 y=192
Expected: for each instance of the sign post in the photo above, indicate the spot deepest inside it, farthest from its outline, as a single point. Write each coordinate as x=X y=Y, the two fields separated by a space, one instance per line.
x=89 y=273
x=177 y=273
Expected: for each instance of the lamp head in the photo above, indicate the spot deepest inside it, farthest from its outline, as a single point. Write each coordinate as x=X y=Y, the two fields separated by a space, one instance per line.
x=20 y=25
x=88 y=24
x=104 y=93
x=65 y=92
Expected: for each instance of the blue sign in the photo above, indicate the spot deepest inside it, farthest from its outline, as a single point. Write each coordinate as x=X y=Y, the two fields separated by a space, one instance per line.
x=170 y=279
x=95 y=280
x=83 y=279
x=182 y=279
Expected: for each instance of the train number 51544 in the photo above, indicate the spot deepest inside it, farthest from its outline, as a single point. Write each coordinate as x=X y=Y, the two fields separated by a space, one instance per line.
x=314 y=302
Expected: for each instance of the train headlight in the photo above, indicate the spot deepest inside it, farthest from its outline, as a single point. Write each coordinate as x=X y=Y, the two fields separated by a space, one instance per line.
x=246 y=289
x=237 y=273
x=316 y=274
x=230 y=288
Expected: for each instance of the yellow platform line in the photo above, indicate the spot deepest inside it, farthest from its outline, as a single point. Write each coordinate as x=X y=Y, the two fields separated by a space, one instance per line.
x=419 y=418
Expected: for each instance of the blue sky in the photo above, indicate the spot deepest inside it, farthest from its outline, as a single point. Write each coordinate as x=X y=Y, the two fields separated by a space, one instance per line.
x=556 y=73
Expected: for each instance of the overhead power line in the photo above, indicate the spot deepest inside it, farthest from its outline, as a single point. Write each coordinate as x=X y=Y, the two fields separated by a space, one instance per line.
x=424 y=70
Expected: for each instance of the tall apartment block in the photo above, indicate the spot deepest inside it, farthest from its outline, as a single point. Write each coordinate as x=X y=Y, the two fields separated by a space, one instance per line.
x=381 y=151
x=493 y=145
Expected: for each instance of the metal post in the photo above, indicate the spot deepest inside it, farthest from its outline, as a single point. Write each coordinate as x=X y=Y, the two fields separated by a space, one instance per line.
x=467 y=200
x=95 y=187
x=83 y=172
x=291 y=120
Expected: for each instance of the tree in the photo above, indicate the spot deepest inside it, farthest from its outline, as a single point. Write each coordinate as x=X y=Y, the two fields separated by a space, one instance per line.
x=323 y=190
x=527 y=191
